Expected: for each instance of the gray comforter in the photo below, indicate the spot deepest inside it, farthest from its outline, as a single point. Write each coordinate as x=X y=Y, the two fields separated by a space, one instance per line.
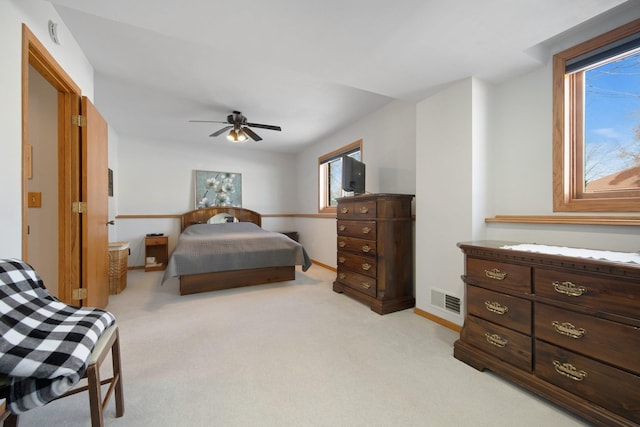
x=206 y=248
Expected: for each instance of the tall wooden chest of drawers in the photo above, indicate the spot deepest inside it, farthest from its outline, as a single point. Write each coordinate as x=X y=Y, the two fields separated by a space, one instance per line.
x=567 y=328
x=375 y=250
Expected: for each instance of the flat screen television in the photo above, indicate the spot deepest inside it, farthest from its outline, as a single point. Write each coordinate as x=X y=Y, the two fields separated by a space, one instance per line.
x=353 y=173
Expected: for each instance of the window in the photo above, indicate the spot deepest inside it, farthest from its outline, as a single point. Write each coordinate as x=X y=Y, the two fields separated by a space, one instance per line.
x=596 y=134
x=330 y=175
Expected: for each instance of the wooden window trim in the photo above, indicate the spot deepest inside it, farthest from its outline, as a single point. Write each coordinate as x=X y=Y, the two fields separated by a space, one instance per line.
x=323 y=194
x=567 y=190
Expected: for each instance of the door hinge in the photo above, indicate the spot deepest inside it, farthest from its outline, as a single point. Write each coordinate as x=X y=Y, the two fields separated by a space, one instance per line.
x=78 y=294
x=79 y=207
x=78 y=120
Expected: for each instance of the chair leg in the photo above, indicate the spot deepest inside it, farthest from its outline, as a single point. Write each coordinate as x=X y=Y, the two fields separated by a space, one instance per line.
x=7 y=418
x=94 y=384
x=95 y=395
x=117 y=375
x=11 y=421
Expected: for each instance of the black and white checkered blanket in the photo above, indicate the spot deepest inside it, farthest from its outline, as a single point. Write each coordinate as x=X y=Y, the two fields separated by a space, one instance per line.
x=44 y=344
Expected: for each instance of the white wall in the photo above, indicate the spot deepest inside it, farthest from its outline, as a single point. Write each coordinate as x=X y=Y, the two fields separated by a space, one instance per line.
x=35 y=14
x=521 y=166
x=388 y=137
x=156 y=178
x=444 y=191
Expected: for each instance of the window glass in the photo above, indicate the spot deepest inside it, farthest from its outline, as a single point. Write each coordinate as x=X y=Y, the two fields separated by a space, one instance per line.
x=335 y=181
x=330 y=175
x=612 y=125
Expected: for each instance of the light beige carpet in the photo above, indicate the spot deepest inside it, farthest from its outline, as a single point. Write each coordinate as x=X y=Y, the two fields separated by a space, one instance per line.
x=291 y=354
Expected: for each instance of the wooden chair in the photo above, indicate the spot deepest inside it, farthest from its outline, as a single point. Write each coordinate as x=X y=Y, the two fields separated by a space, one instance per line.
x=19 y=278
x=109 y=341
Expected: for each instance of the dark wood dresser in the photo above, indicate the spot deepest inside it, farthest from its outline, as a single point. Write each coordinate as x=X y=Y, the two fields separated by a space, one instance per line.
x=564 y=327
x=375 y=250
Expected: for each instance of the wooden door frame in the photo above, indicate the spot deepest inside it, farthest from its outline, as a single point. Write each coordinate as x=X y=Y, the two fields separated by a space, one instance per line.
x=69 y=243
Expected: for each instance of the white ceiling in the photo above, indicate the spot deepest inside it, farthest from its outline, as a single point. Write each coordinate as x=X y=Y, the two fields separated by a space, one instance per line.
x=310 y=66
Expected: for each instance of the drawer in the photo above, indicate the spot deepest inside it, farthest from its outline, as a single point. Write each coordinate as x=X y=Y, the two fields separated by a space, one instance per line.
x=503 y=275
x=365 y=209
x=503 y=343
x=357 y=264
x=345 y=210
x=604 y=385
x=602 y=339
x=154 y=241
x=359 y=282
x=361 y=229
x=590 y=291
x=358 y=246
x=505 y=310
x=357 y=210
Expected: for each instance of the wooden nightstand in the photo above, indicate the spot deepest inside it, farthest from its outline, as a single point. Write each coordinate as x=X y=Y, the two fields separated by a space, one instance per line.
x=158 y=247
x=293 y=235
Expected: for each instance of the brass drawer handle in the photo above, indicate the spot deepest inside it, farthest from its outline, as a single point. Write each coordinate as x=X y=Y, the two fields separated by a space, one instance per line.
x=342 y=228
x=569 y=289
x=495 y=274
x=496 y=307
x=342 y=276
x=364 y=210
x=366 y=230
x=342 y=244
x=344 y=210
x=341 y=259
x=366 y=248
x=568 y=329
x=496 y=340
x=366 y=267
x=569 y=371
x=366 y=285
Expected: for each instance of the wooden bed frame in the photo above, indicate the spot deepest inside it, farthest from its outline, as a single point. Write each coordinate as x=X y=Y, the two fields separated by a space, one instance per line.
x=206 y=282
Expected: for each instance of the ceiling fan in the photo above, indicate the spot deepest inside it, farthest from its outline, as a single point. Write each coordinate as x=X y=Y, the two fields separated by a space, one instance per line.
x=239 y=128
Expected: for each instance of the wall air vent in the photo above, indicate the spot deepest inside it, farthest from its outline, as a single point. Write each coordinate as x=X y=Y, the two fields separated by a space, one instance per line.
x=441 y=299
x=452 y=303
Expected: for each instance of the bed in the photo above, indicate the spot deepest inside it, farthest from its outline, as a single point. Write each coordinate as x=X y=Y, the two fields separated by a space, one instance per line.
x=226 y=247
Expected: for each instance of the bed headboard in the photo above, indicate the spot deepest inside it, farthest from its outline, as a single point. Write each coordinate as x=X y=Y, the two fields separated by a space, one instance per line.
x=201 y=216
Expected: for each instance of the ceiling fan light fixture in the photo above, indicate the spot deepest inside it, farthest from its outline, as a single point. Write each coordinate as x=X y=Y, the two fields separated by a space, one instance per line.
x=237 y=135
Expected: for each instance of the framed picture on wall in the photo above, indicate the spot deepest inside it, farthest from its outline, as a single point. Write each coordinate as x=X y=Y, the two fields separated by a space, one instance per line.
x=217 y=189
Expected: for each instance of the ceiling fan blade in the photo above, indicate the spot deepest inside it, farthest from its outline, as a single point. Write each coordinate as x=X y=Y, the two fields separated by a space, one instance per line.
x=221 y=131
x=252 y=134
x=205 y=121
x=258 y=125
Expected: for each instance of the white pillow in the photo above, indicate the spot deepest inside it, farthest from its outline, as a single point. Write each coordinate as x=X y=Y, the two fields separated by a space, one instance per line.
x=221 y=218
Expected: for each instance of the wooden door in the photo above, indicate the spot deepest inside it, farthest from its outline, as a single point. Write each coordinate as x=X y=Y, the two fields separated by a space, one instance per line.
x=83 y=246
x=95 y=237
